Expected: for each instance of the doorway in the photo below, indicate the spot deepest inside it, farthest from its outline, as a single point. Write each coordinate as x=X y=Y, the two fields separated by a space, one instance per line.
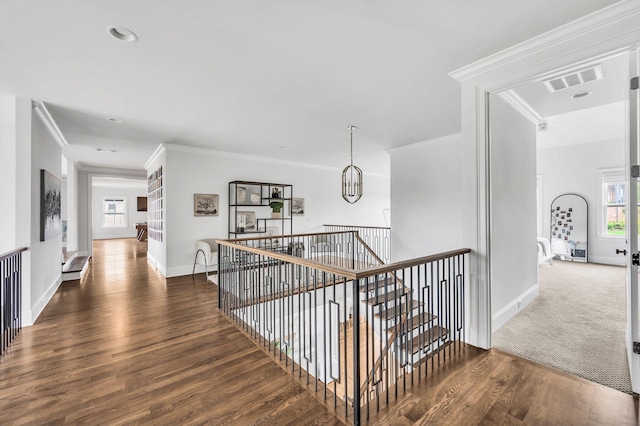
x=565 y=134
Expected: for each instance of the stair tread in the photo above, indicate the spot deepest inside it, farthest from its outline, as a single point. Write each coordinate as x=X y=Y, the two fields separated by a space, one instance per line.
x=76 y=264
x=377 y=285
x=387 y=297
x=418 y=343
x=396 y=310
x=418 y=320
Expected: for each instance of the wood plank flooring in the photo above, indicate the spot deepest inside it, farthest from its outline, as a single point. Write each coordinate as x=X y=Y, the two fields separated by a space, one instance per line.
x=126 y=346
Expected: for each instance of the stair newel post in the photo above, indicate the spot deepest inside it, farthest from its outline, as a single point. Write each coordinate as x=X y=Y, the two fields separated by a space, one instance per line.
x=356 y=352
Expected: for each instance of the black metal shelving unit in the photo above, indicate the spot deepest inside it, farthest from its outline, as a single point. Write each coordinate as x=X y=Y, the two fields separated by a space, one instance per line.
x=250 y=200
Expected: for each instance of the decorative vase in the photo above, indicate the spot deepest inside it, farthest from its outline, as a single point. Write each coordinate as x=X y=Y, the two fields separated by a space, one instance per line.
x=255 y=198
x=276 y=215
x=241 y=195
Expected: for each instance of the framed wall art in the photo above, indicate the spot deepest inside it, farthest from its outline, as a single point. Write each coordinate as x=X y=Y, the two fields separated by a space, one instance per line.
x=205 y=204
x=50 y=206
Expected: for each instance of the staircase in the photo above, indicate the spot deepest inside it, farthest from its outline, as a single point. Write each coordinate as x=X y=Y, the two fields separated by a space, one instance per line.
x=74 y=267
x=403 y=325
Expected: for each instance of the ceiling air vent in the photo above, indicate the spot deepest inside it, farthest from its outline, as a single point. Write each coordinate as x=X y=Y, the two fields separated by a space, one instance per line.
x=573 y=79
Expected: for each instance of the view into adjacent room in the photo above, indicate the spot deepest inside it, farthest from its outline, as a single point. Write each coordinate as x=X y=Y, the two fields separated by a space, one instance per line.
x=573 y=317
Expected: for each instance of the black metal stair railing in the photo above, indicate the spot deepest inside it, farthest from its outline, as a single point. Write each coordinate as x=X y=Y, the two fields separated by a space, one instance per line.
x=354 y=331
x=10 y=296
x=377 y=238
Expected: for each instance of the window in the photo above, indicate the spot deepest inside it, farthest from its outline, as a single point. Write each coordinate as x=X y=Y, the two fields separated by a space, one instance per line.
x=114 y=212
x=613 y=202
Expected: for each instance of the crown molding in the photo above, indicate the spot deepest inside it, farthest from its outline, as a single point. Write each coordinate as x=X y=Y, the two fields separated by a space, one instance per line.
x=455 y=137
x=521 y=106
x=112 y=171
x=41 y=110
x=159 y=150
x=246 y=157
x=591 y=23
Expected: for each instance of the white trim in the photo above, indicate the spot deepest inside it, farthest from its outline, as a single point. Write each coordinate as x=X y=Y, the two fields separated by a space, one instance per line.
x=36 y=308
x=226 y=154
x=159 y=150
x=113 y=171
x=43 y=113
x=444 y=139
x=607 y=17
x=159 y=267
x=608 y=260
x=503 y=316
x=603 y=34
x=601 y=232
x=521 y=106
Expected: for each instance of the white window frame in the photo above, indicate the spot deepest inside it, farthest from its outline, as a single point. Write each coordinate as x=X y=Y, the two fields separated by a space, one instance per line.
x=125 y=214
x=610 y=175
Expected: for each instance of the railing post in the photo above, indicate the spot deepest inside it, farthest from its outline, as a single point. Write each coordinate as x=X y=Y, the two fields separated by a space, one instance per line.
x=220 y=269
x=356 y=352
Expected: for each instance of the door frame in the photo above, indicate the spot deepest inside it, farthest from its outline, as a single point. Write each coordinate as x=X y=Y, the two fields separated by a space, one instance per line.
x=608 y=32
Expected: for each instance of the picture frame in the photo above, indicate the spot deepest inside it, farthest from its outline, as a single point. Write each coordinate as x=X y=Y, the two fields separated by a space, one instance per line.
x=205 y=205
x=297 y=207
x=50 y=205
x=248 y=219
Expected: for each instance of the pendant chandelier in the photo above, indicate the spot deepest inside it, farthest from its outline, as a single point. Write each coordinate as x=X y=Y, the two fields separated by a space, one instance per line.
x=351 y=178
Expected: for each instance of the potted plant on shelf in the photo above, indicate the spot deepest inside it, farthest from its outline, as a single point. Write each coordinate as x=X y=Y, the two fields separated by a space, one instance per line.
x=276 y=209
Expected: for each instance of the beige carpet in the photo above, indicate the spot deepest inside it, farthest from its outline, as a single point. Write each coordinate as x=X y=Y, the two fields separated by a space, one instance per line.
x=576 y=324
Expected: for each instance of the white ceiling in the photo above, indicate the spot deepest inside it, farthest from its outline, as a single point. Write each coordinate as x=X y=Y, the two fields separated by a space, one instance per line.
x=612 y=88
x=252 y=76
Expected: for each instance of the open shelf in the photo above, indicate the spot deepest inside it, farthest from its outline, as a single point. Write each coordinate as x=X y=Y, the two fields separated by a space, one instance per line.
x=249 y=205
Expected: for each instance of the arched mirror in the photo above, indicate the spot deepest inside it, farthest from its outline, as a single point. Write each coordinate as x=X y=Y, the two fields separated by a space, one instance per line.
x=569 y=225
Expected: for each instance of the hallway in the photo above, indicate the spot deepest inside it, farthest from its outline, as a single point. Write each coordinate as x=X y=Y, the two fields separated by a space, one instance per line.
x=126 y=346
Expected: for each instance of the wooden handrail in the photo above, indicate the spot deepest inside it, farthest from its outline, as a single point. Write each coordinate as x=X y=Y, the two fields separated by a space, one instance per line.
x=348 y=273
x=12 y=252
x=358 y=226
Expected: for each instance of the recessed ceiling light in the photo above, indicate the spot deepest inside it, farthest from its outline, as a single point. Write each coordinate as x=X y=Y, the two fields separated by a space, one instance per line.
x=99 y=150
x=580 y=95
x=284 y=147
x=114 y=120
x=122 y=33
x=114 y=151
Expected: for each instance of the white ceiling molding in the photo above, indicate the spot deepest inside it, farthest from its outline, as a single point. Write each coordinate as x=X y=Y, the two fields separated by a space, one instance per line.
x=521 y=106
x=41 y=109
x=444 y=139
x=226 y=154
x=112 y=171
x=159 y=150
x=588 y=24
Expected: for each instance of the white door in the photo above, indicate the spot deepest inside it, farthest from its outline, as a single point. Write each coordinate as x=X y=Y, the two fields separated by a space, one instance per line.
x=633 y=334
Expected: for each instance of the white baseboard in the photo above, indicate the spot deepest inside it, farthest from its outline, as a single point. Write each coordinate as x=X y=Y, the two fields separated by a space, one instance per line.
x=29 y=318
x=608 y=260
x=501 y=317
x=156 y=265
x=188 y=270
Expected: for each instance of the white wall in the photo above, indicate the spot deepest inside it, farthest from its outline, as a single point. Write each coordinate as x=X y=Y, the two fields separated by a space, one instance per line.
x=7 y=171
x=72 y=206
x=426 y=198
x=133 y=216
x=575 y=169
x=157 y=250
x=46 y=255
x=514 y=264
x=190 y=171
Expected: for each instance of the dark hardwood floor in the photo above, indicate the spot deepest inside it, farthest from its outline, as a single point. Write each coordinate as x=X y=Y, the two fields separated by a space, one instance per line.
x=126 y=346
